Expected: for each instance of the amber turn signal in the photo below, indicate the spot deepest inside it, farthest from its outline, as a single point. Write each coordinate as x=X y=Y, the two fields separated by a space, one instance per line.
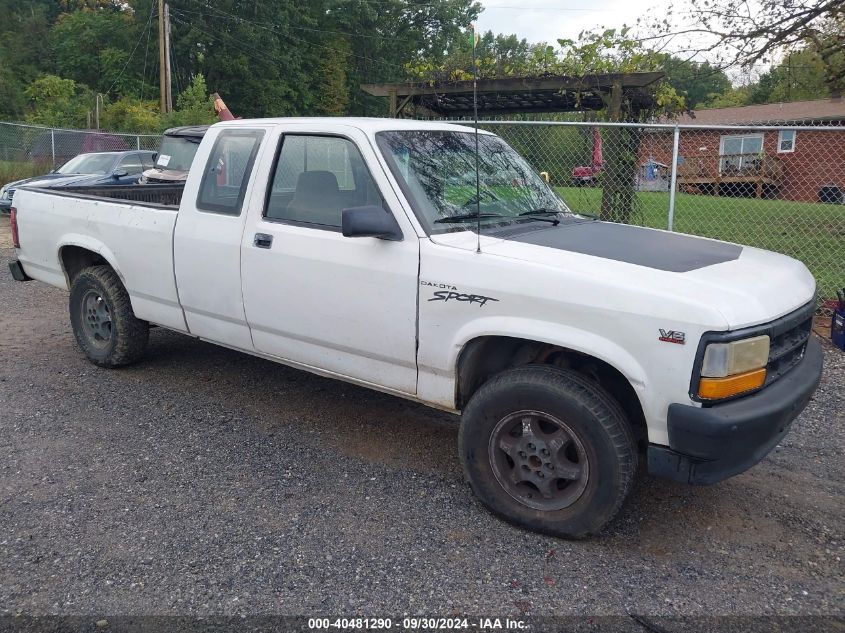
x=717 y=388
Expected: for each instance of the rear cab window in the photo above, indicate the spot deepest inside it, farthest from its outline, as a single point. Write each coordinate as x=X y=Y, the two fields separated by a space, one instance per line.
x=227 y=171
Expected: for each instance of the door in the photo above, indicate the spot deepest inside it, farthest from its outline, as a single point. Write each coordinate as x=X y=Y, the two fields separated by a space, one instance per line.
x=207 y=239
x=343 y=305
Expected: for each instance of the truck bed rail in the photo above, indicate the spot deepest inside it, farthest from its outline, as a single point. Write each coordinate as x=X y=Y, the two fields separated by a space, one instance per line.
x=164 y=195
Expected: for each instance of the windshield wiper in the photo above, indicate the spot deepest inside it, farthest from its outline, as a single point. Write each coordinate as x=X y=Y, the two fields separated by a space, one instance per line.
x=539 y=214
x=466 y=217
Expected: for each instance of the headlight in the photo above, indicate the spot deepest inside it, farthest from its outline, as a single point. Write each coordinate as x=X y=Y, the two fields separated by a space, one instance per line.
x=729 y=369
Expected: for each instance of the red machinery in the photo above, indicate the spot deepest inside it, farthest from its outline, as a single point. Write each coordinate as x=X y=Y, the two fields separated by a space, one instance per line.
x=586 y=175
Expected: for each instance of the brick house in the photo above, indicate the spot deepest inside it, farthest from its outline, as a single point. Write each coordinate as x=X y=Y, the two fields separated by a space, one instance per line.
x=800 y=165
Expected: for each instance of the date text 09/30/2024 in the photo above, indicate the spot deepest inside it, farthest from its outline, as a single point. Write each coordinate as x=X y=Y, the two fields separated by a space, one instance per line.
x=417 y=624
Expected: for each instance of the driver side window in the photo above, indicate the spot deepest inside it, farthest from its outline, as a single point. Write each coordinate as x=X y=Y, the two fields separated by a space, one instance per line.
x=315 y=178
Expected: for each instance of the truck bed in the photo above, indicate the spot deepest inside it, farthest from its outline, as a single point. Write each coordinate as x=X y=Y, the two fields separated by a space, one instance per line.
x=130 y=228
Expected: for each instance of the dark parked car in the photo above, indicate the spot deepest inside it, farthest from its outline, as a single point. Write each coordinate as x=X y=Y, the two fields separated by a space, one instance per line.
x=100 y=168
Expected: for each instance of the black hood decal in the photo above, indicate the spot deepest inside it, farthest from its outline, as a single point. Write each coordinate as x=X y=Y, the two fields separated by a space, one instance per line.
x=672 y=252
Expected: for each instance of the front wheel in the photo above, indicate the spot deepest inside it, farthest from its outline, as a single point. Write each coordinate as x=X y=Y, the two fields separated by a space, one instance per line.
x=102 y=319
x=549 y=450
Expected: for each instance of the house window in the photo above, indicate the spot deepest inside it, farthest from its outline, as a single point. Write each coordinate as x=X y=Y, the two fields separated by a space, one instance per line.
x=786 y=141
x=740 y=154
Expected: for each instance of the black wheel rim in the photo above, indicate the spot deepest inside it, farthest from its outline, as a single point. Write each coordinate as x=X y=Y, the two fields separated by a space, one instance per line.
x=96 y=318
x=539 y=460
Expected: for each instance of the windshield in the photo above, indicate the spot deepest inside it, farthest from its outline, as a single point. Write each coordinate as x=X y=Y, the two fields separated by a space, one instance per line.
x=437 y=170
x=177 y=152
x=98 y=164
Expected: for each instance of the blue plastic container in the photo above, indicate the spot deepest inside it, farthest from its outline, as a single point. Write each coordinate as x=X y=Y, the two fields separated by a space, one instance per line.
x=837 y=328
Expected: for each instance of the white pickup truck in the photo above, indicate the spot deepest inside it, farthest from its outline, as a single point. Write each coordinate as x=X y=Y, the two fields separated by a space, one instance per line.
x=358 y=249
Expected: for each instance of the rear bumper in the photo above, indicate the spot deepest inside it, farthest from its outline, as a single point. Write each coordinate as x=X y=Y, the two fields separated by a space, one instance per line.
x=709 y=444
x=18 y=273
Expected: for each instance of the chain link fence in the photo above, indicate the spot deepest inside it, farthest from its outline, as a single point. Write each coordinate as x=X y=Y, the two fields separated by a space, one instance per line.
x=780 y=188
x=32 y=150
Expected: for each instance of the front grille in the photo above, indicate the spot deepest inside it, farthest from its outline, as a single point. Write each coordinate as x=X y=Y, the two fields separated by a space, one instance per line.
x=789 y=336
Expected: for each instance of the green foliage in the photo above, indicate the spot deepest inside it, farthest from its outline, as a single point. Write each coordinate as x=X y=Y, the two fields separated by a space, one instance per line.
x=57 y=102
x=131 y=115
x=694 y=81
x=269 y=58
x=800 y=76
x=23 y=51
x=91 y=47
x=193 y=105
x=738 y=96
x=496 y=56
x=332 y=87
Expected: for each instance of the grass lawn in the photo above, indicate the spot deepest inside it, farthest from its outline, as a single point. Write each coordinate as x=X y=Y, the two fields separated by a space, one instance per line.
x=811 y=232
x=16 y=170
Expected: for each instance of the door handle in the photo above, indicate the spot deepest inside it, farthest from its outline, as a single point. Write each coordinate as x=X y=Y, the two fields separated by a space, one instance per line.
x=262 y=240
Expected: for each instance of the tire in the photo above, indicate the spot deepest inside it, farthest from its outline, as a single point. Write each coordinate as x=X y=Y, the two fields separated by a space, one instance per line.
x=538 y=422
x=102 y=319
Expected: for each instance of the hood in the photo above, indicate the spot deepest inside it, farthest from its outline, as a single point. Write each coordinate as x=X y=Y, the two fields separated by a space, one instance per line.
x=65 y=180
x=25 y=181
x=745 y=285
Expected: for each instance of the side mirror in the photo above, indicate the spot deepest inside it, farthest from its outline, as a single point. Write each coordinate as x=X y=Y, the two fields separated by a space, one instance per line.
x=370 y=221
x=119 y=173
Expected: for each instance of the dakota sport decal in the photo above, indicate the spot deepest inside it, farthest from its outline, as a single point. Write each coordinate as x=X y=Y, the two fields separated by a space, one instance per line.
x=449 y=292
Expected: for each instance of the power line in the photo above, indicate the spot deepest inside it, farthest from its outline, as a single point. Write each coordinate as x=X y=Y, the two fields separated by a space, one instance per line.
x=131 y=55
x=229 y=16
x=260 y=55
x=146 y=51
x=296 y=39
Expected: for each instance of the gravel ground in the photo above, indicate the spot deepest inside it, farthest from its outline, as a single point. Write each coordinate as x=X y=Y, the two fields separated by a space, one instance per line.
x=204 y=481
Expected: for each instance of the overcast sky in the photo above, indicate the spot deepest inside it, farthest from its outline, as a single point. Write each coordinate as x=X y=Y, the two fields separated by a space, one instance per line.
x=548 y=20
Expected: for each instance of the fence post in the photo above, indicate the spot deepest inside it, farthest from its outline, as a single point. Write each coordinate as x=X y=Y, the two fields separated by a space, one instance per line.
x=53 y=146
x=674 y=180
x=138 y=141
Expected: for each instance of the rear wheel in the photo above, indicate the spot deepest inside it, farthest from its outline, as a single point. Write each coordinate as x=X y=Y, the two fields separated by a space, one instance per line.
x=103 y=322
x=549 y=450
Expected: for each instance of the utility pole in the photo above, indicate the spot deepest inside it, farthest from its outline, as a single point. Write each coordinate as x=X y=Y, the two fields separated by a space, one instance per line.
x=168 y=78
x=165 y=99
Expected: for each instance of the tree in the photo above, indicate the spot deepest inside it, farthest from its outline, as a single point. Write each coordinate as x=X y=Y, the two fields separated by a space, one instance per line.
x=57 y=102
x=695 y=81
x=332 y=89
x=739 y=32
x=736 y=96
x=615 y=51
x=193 y=105
x=93 y=47
x=132 y=115
x=800 y=76
x=23 y=51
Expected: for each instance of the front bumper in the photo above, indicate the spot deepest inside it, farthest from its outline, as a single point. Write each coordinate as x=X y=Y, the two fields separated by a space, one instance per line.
x=709 y=444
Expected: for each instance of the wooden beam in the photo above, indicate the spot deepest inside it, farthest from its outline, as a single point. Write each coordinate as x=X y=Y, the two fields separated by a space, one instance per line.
x=392 y=95
x=602 y=82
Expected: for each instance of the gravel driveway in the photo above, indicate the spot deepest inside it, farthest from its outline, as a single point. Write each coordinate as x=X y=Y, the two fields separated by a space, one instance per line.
x=204 y=481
